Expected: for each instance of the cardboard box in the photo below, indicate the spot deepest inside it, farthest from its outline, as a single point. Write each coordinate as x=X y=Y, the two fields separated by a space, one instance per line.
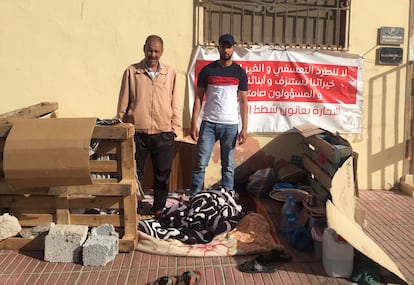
x=332 y=146
x=48 y=152
x=342 y=214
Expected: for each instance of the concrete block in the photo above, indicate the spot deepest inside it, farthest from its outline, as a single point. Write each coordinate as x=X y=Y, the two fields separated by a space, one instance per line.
x=9 y=226
x=64 y=243
x=407 y=184
x=409 y=178
x=101 y=246
x=407 y=188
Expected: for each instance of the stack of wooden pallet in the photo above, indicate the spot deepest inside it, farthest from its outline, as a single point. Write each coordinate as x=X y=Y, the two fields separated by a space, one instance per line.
x=113 y=188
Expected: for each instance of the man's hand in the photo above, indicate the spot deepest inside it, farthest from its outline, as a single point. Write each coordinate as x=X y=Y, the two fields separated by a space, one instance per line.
x=242 y=137
x=194 y=133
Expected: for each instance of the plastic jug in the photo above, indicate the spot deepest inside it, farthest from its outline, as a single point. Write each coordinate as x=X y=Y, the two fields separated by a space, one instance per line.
x=290 y=214
x=337 y=255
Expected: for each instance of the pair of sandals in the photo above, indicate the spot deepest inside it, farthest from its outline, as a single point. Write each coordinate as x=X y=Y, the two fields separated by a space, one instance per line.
x=187 y=278
x=266 y=262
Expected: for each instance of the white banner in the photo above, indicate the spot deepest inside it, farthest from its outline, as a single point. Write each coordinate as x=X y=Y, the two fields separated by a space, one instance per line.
x=290 y=87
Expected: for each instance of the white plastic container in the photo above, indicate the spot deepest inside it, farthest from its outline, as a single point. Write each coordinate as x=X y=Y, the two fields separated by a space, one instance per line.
x=337 y=255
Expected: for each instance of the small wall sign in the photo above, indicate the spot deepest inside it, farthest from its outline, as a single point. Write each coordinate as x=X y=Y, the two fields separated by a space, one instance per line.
x=391 y=36
x=389 y=55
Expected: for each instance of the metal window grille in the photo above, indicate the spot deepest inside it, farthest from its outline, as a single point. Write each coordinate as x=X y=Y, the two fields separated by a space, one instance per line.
x=294 y=23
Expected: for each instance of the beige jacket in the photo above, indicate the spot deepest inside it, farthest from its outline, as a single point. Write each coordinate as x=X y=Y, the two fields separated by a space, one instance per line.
x=151 y=105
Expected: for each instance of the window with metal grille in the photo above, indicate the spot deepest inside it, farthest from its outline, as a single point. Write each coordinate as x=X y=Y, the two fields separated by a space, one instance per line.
x=304 y=23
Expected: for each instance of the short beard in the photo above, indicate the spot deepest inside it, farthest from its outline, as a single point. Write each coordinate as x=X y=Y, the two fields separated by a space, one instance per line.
x=225 y=58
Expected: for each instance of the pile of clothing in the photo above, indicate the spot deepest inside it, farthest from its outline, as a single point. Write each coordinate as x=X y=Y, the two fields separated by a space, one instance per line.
x=205 y=215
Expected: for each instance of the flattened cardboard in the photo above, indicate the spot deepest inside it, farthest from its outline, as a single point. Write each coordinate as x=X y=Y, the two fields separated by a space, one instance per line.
x=343 y=188
x=48 y=152
x=354 y=235
x=308 y=130
x=341 y=217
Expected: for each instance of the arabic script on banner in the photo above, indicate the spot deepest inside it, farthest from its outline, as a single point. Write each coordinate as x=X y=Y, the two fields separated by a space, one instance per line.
x=298 y=88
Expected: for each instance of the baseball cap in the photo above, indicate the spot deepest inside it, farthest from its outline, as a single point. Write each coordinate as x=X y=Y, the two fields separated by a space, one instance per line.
x=226 y=38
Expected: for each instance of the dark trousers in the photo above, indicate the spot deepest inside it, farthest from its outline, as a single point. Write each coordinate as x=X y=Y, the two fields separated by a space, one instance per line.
x=161 y=149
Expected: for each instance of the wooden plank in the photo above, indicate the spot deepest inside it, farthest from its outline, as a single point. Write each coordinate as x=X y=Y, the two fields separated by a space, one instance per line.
x=21 y=201
x=93 y=189
x=96 y=220
x=118 y=131
x=90 y=202
x=130 y=212
x=107 y=147
x=103 y=166
x=31 y=210
x=34 y=111
x=127 y=161
x=128 y=243
x=31 y=220
x=62 y=210
x=6 y=190
x=23 y=243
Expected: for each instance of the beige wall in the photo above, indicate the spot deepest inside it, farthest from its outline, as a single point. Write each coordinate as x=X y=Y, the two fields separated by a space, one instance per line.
x=381 y=143
x=74 y=52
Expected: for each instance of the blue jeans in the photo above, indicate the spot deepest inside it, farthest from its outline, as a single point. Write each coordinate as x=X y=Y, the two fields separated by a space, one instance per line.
x=209 y=134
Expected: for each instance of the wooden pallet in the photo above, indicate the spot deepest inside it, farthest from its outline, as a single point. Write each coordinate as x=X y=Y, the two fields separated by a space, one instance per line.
x=40 y=110
x=113 y=189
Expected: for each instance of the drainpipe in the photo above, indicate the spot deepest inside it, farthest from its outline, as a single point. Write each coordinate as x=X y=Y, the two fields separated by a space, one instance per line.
x=409 y=107
x=408 y=166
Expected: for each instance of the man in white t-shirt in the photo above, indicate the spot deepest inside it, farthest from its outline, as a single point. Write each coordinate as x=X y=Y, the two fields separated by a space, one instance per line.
x=224 y=86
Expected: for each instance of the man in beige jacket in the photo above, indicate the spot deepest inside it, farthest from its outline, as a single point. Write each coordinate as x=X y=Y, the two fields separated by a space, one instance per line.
x=148 y=99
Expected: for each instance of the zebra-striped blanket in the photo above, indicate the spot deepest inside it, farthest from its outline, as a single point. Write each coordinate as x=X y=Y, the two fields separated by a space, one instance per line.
x=206 y=215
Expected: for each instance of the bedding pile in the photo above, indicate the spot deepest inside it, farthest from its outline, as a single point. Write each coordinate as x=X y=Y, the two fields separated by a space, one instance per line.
x=205 y=216
x=212 y=223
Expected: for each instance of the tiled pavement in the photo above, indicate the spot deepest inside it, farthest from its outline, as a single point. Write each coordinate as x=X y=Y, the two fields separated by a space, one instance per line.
x=390 y=223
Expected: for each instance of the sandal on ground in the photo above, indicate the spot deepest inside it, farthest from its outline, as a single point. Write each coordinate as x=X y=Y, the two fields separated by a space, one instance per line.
x=189 y=278
x=165 y=280
x=254 y=266
x=273 y=257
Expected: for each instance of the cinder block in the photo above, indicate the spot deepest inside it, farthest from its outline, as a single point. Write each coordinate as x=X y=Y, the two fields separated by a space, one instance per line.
x=101 y=246
x=64 y=243
x=409 y=178
x=407 y=188
x=9 y=226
